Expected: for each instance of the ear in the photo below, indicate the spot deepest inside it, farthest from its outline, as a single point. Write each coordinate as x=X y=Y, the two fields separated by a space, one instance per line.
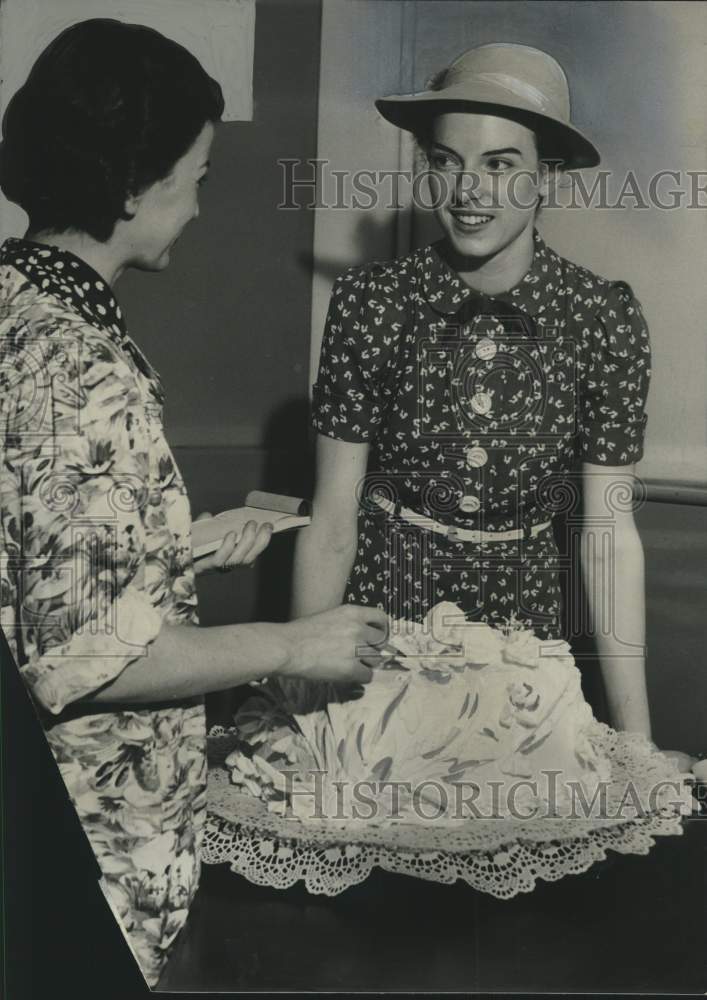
x=131 y=205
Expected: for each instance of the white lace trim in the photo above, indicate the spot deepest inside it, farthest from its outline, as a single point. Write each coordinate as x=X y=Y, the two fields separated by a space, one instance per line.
x=502 y=857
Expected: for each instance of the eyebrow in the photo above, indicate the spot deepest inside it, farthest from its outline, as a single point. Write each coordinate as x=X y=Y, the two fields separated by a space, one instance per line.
x=488 y=152
x=497 y=152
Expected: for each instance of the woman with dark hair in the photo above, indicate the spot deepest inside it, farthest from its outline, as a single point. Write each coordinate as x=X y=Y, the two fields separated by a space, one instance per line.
x=105 y=147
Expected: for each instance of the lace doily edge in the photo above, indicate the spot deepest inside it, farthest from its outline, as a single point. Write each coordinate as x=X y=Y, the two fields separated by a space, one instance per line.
x=331 y=876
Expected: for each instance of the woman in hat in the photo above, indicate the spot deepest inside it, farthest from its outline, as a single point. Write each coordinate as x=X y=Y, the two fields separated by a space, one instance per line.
x=472 y=389
x=105 y=147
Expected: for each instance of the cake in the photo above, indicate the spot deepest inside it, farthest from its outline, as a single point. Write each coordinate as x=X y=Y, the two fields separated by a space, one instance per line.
x=464 y=721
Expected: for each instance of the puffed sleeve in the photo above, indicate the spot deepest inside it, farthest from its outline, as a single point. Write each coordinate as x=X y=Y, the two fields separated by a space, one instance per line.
x=73 y=483
x=360 y=343
x=616 y=380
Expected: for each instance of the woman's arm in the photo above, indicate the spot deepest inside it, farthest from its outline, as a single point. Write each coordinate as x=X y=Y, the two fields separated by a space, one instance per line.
x=613 y=573
x=185 y=660
x=326 y=549
x=321 y=647
x=75 y=599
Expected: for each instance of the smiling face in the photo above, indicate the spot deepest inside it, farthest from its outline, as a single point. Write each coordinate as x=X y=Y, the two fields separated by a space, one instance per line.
x=486 y=182
x=161 y=211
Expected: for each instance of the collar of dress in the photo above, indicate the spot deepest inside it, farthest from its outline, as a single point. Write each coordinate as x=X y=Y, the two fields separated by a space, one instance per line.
x=448 y=294
x=69 y=278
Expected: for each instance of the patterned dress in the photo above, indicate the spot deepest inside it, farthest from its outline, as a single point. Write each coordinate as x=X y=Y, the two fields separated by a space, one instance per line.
x=479 y=411
x=95 y=555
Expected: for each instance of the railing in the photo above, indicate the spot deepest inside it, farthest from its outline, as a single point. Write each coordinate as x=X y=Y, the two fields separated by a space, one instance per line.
x=695 y=496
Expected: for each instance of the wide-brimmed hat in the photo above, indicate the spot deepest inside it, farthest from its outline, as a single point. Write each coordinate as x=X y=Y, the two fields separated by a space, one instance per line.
x=511 y=81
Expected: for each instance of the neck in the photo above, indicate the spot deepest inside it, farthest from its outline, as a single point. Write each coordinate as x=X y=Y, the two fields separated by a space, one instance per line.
x=499 y=272
x=104 y=258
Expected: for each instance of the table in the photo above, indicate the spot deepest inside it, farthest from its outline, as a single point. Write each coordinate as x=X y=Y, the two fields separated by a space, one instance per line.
x=630 y=924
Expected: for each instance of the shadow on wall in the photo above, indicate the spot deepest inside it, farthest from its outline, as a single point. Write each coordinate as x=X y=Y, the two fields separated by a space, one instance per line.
x=375 y=238
x=219 y=478
x=289 y=469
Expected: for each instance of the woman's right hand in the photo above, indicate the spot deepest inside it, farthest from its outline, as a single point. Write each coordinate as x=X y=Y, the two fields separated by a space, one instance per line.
x=235 y=550
x=330 y=645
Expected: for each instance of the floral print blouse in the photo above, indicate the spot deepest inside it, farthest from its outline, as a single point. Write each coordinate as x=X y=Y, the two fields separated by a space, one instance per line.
x=95 y=555
x=478 y=410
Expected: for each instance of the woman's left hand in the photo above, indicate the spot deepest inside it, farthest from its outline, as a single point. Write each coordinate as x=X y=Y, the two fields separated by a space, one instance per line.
x=235 y=551
x=683 y=761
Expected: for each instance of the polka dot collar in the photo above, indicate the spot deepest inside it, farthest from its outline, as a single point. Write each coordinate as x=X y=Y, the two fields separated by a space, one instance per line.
x=66 y=276
x=447 y=293
x=69 y=278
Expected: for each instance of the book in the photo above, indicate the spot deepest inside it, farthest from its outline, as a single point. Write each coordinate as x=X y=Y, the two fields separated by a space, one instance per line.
x=284 y=513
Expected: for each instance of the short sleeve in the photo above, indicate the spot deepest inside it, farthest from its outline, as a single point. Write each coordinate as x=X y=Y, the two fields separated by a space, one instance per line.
x=361 y=336
x=75 y=608
x=616 y=379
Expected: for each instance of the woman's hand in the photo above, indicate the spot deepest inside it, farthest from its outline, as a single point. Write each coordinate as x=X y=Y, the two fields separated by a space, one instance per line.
x=683 y=761
x=330 y=646
x=235 y=551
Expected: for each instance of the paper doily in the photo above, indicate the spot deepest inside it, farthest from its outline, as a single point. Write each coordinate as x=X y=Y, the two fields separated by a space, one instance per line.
x=502 y=857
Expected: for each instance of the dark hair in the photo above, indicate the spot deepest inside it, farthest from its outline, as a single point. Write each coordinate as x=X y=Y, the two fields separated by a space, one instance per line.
x=548 y=146
x=108 y=109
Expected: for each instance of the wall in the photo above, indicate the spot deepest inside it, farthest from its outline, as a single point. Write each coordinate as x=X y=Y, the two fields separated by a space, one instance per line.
x=227 y=324
x=219 y=34
x=362 y=57
x=675 y=542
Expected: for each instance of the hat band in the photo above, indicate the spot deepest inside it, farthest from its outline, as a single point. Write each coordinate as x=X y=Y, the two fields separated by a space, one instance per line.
x=520 y=88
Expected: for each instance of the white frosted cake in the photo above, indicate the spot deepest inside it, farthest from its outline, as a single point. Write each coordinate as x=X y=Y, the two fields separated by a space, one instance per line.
x=465 y=721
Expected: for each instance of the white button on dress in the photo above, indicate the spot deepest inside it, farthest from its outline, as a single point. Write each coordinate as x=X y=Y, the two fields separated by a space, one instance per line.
x=476 y=457
x=469 y=504
x=481 y=403
x=486 y=350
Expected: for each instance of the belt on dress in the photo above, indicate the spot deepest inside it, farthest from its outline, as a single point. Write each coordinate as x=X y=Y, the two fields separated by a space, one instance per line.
x=458 y=534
